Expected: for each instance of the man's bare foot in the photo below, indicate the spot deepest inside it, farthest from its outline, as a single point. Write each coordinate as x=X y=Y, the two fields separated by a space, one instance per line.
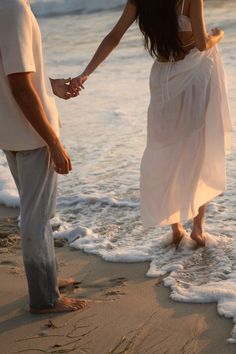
x=64 y=304
x=63 y=283
x=197 y=235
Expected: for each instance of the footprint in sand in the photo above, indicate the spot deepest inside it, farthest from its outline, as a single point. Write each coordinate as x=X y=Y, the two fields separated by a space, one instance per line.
x=115 y=288
x=8 y=263
x=111 y=289
x=12 y=267
x=118 y=281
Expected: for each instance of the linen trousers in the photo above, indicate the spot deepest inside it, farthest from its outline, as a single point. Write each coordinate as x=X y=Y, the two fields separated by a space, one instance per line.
x=36 y=182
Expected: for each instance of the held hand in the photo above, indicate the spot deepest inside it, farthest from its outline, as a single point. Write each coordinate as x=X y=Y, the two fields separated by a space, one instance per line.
x=60 y=158
x=62 y=89
x=217 y=32
x=77 y=83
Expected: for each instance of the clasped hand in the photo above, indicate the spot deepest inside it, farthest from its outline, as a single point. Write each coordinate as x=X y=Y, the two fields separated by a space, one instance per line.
x=68 y=88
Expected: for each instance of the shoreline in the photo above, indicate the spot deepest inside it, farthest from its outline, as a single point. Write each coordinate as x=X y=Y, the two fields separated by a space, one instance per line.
x=128 y=311
x=6 y=212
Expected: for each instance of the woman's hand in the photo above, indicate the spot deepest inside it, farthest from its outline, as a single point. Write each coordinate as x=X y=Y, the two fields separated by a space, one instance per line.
x=217 y=32
x=77 y=83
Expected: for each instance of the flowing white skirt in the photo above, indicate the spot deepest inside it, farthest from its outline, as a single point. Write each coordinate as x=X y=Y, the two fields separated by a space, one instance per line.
x=183 y=166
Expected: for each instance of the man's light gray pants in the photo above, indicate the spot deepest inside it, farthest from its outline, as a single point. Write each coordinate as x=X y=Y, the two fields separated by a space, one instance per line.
x=36 y=181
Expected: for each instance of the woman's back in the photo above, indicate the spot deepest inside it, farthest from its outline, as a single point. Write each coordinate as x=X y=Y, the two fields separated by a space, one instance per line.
x=184 y=20
x=185 y=30
x=185 y=26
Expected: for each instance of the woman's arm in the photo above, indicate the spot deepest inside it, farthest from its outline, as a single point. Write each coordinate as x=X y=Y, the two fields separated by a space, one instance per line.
x=108 y=44
x=203 y=40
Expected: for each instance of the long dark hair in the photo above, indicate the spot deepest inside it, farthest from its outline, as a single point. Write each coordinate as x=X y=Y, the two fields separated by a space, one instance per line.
x=158 y=23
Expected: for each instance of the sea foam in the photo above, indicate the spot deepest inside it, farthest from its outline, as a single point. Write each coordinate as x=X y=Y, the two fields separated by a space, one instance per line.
x=193 y=274
x=8 y=192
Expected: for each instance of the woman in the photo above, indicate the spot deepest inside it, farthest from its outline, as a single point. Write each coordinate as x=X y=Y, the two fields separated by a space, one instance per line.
x=183 y=166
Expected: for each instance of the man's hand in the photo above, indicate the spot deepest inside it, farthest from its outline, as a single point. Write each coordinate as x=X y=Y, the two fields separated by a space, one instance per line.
x=60 y=158
x=62 y=88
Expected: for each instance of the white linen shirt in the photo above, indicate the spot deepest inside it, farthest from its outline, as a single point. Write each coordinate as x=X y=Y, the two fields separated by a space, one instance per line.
x=21 y=51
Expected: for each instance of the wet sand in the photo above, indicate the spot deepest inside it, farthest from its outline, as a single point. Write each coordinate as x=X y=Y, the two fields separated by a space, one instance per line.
x=128 y=312
x=8 y=212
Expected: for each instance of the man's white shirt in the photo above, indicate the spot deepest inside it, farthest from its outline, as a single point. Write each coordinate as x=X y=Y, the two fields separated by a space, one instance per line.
x=21 y=51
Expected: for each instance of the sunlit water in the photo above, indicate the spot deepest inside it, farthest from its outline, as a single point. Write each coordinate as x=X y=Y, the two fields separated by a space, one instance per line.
x=105 y=133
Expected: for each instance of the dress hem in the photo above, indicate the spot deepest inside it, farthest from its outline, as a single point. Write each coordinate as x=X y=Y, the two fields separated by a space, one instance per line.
x=184 y=219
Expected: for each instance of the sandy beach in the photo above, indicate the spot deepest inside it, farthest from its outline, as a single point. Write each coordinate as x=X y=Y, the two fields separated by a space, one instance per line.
x=128 y=312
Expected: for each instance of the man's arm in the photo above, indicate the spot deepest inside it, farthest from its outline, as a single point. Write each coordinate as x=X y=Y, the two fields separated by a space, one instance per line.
x=31 y=106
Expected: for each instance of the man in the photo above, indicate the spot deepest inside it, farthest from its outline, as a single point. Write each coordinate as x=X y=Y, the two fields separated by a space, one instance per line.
x=29 y=138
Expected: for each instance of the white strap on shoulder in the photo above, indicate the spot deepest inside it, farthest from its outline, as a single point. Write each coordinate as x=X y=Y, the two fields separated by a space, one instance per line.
x=182 y=11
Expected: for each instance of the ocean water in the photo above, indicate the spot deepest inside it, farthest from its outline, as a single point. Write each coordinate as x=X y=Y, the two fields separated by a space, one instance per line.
x=105 y=132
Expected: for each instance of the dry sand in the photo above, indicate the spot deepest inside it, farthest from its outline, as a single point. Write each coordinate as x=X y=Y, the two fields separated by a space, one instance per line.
x=128 y=312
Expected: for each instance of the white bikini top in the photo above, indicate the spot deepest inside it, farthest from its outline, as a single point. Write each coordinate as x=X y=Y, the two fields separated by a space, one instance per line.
x=184 y=21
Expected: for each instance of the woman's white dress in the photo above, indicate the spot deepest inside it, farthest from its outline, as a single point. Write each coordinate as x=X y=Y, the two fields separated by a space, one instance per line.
x=183 y=166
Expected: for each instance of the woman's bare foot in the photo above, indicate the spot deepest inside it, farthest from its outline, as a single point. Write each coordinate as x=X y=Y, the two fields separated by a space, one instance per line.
x=178 y=233
x=64 y=304
x=63 y=283
x=177 y=238
x=197 y=235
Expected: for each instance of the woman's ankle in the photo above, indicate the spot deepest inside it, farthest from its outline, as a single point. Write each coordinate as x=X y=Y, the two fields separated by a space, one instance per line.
x=199 y=229
x=177 y=229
